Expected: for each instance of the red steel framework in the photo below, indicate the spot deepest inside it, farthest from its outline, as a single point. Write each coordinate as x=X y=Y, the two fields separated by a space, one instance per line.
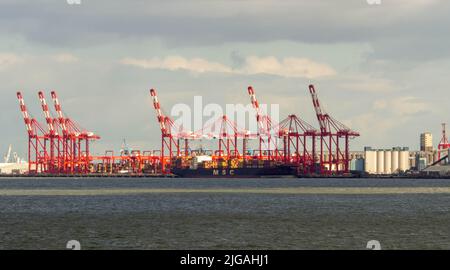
x=76 y=155
x=299 y=143
x=170 y=136
x=298 y=138
x=54 y=140
x=332 y=132
x=62 y=148
x=69 y=145
x=443 y=144
x=228 y=134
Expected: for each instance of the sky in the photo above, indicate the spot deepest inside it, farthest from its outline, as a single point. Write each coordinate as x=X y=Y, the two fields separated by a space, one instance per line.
x=383 y=70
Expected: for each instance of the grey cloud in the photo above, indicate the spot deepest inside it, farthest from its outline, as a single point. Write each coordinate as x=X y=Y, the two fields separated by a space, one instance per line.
x=237 y=59
x=396 y=29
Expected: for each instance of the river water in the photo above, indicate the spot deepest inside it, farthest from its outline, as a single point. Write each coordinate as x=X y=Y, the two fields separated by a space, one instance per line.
x=136 y=213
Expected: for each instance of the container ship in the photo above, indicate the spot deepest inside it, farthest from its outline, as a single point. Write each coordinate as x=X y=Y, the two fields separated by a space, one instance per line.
x=206 y=167
x=245 y=172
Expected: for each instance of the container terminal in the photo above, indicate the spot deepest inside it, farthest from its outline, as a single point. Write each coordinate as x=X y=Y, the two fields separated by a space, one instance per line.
x=291 y=148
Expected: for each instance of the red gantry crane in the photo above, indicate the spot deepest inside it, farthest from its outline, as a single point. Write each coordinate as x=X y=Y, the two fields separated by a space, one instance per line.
x=52 y=136
x=170 y=135
x=36 y=140
x=331 y=133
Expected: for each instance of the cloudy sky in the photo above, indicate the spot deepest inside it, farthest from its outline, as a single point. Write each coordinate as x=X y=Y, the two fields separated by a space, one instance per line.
x=381 y=69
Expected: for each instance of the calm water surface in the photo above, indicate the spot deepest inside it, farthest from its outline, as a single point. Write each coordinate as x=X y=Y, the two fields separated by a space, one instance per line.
x=223 y=220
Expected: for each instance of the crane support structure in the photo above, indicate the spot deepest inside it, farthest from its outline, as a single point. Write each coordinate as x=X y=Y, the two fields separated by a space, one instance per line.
x=299 y=143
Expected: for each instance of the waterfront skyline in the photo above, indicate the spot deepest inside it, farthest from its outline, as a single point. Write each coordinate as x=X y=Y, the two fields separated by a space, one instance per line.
x=383 y=78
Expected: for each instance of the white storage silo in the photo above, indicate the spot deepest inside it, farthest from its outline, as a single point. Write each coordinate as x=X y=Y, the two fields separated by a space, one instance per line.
x=404 y=160
x=387 y=161
x=395 y=165
x=380 y=162
x=370 y=161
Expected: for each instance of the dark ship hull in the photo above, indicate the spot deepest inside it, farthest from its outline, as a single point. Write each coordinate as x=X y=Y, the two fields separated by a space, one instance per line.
x=266 y=172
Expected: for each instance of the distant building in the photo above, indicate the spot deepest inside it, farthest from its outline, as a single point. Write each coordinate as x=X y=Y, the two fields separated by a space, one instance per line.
x=426 y=142
x=357 y=164
x=430 y=157
x=421 y=162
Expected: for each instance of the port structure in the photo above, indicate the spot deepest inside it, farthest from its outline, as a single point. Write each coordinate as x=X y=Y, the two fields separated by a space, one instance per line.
x=444 y=143
x=293 y=142
x=232 y=140
x=332 y=134
x=297 y=137
x=63 y=147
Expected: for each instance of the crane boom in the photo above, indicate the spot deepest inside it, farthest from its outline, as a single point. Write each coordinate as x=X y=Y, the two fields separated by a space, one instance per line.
x=255 y=105
x=26 y=116
x=318 y=108
x=160 y=116
x=61 y=118
x=47 y=116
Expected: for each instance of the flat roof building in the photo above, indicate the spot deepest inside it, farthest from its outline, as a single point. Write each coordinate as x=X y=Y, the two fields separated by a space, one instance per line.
x=426 y=142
